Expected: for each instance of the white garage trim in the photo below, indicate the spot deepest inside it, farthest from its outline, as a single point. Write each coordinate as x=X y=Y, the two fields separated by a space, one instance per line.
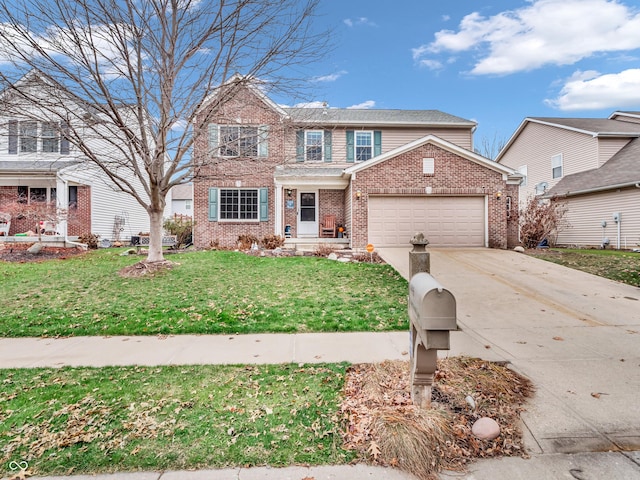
x=446 y=221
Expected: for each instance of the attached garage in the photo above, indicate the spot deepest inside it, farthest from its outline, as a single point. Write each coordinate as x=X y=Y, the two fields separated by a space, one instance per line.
x=446 y=221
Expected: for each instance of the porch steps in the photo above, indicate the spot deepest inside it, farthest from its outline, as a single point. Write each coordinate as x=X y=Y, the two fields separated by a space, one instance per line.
x=311 y=244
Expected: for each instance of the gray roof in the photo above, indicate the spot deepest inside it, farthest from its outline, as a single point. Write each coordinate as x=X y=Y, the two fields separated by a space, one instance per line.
x=595 y=126
x=620 y=170
x=372 y=117
x=31 y=166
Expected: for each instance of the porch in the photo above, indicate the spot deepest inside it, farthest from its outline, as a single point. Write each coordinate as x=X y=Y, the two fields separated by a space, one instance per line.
x=46 y=240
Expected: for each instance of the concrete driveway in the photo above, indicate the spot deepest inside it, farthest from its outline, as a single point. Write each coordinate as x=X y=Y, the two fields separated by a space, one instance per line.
x=575 y=335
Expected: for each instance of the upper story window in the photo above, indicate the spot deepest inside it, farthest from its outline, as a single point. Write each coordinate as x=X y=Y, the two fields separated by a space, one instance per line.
x=313 y=145
x=238 y=141
x=364 y=146
x=556 y=166
x=29 y=136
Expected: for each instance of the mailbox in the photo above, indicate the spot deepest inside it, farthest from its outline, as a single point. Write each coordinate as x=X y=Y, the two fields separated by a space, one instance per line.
x=432 y=311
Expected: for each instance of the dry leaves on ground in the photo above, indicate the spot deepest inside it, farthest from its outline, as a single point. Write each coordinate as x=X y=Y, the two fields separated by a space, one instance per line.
x=386 y=429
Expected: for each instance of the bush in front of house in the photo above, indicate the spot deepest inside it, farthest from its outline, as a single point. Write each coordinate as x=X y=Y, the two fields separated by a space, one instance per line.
x=90 y=240
x=271 y=242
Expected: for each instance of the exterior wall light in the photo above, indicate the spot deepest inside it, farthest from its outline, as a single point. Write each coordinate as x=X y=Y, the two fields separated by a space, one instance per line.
x=289 y=192
x=499 y=194
x=358 y=194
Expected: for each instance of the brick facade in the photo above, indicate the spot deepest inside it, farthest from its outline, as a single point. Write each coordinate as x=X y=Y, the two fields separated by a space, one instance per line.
x=79 y=220
x=243 y=109
x=453 y=175
x=399 y=175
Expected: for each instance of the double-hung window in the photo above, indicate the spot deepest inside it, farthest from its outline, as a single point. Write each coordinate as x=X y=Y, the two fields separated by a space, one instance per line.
x=313 y=145
x=364 y=146
x=239 y=204
x=238 y=141
x=556 y=166
x=29 y=136
x=49 y=138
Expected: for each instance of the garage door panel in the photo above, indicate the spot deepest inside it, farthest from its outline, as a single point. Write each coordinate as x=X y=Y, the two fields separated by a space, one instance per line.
x=446 y=221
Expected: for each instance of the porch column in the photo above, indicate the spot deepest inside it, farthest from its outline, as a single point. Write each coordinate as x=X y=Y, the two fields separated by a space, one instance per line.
x=278 y=210
x=62 y=205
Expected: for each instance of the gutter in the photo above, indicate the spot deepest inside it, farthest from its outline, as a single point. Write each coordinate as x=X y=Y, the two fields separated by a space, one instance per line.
x=593 y=190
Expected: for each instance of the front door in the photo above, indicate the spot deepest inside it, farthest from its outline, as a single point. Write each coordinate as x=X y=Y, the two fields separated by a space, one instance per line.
x=308 y=214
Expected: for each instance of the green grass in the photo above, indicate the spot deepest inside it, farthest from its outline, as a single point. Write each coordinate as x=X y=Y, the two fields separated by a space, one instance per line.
x=85 y=420
x=207 y=293
x=622 y=266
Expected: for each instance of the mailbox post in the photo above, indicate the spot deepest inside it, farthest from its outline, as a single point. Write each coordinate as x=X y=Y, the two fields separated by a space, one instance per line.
x=432 y=313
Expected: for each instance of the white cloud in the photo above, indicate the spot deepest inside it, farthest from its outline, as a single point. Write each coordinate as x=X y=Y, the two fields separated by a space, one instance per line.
x=592 y=91
x=359 y=22
x=430 y=64
x=330 y=78
x=545 y=32
x=364 y=105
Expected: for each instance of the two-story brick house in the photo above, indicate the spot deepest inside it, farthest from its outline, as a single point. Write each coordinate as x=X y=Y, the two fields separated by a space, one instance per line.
x=382 y=174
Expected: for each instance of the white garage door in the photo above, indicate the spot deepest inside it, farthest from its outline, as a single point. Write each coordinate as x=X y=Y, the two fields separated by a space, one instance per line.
x=445 y=221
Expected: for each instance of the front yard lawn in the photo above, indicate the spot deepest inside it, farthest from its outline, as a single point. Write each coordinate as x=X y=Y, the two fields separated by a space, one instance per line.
x=622 y=266
x=84 y=420
x=207 y=293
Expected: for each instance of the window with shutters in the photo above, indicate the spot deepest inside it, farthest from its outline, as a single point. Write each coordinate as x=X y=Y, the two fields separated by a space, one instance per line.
x=238 y=141
x=364 y=146
x=28 y=136
x=313 y=145
x=239 y=204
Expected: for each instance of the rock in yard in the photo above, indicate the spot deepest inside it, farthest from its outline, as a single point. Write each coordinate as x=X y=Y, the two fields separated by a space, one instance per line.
x=332 y=256
x=519 y=249
x=35 y=248
x=486 y=428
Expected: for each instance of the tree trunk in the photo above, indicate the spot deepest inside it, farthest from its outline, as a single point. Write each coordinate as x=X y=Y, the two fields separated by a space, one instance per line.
x=155 y=237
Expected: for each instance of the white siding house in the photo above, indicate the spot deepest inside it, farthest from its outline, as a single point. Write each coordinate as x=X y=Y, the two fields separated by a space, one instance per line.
x=591 y=164
x=39 y=163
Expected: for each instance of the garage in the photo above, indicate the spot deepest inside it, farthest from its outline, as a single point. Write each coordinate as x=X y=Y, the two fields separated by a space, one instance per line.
x=445 y=221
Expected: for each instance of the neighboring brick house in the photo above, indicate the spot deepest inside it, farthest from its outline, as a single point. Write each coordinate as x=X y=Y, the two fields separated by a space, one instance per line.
x=383 y=174
x=591 y=164
x=39 y=164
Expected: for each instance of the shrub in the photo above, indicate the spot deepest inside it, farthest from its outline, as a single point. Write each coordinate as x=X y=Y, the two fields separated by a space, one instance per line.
x=90 y=240
x=540 y=220
x=271 y=242
x=245 y=241
x=324 y=250
x=181 y=227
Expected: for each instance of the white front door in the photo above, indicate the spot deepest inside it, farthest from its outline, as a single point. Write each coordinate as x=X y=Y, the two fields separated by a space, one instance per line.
x=307 y=214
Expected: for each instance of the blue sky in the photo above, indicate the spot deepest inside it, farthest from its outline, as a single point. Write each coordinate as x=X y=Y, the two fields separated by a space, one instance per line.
x=494 y=62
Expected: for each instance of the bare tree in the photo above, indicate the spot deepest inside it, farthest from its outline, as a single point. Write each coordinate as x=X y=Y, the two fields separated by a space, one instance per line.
x=135 y=74
x=490 y=147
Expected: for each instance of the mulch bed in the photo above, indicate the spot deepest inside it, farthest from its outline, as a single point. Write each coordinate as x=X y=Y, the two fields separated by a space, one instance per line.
x=385 y=428
x=17 y=252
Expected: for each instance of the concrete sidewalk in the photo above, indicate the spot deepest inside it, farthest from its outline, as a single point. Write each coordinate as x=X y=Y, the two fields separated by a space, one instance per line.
x=573 y=334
